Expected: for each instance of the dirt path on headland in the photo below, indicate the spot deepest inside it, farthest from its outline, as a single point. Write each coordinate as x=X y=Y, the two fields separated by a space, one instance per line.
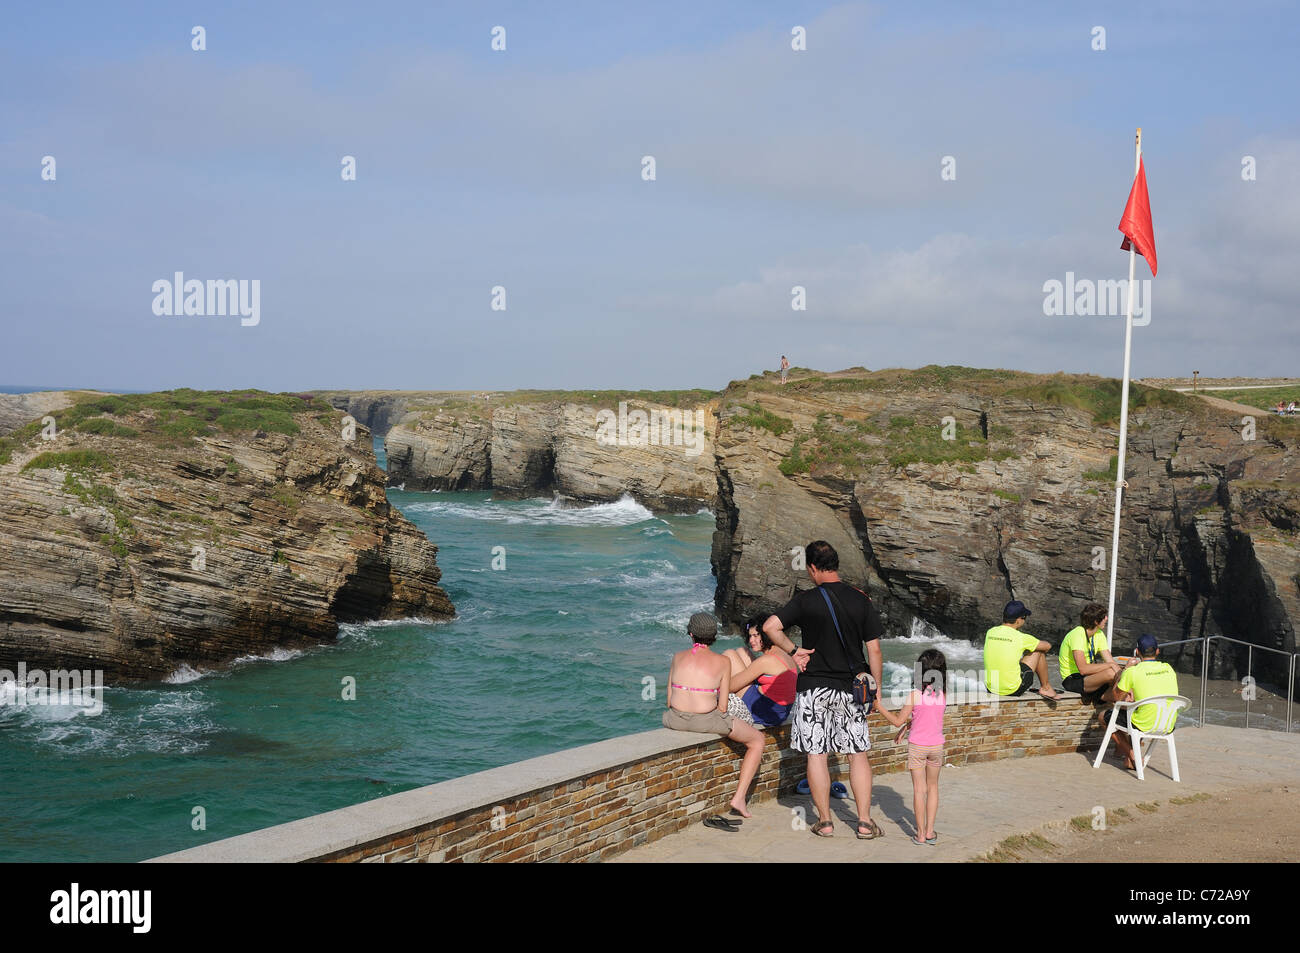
x=1257 y=824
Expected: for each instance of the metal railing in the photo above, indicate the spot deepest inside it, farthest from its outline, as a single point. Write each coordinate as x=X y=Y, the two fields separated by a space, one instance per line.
x=1204 y=643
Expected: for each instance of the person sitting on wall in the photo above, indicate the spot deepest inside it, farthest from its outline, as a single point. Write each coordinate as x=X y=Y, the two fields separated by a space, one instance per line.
x=1087 y=667
x=762 y=680
x=698 y=692
x=1146 y=678
x=1012 y=658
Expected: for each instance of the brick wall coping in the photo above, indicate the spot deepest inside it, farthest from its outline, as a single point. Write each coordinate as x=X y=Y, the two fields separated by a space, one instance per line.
x=319 y=835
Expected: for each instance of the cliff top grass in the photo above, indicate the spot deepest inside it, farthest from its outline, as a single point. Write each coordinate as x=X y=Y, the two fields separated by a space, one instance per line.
x=1098 y=396
x=850 y=447
x=482 y=404
x=164 y=417
x=1264 y=398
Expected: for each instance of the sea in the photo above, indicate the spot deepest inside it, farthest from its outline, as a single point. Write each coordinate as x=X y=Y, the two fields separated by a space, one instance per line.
x=566 y=618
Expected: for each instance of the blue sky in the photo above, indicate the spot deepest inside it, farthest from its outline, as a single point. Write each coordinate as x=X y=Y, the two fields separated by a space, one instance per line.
x=522 y=168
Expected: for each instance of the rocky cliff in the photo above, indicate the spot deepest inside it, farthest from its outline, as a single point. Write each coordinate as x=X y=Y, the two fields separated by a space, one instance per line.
x=186 y=527
x=949 y=491
x=591 y=450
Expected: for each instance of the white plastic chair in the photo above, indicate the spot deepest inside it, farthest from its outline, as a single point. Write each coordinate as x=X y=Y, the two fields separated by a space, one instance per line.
x=1167 y=708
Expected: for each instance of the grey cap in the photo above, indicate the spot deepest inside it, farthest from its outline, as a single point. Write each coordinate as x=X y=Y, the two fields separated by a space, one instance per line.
x=702 y=624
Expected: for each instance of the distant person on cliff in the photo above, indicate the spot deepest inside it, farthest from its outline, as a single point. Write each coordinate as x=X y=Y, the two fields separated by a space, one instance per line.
x=762 y=680
x=836 y=621
x=1086 y=664
x=698 y=693
x=785 y=368
x=1012 y=658
x=1146 y=678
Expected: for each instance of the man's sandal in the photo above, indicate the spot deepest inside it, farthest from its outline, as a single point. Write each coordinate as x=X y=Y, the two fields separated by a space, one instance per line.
x=872 y=828
x=823 y=829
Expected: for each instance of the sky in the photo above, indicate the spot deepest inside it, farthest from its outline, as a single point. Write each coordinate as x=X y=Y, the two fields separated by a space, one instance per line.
x=522 y=169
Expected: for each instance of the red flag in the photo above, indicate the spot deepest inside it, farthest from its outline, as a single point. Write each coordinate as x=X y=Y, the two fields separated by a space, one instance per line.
x=1136 y=223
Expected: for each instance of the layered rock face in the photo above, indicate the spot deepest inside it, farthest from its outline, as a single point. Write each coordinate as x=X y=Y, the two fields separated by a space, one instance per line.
x=156 y=531
x=664 y=460
x=1018 y=504
x=376 y=410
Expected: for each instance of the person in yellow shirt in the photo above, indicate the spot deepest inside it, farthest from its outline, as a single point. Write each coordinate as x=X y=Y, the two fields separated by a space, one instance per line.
x=1145 y=678
x=1087 y=666
x=1012 y=657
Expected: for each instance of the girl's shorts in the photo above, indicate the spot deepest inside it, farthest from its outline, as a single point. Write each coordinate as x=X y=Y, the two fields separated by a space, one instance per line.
x=918 y=756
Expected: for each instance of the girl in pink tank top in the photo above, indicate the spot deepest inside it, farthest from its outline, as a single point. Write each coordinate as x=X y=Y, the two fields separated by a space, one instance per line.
x=922 y=716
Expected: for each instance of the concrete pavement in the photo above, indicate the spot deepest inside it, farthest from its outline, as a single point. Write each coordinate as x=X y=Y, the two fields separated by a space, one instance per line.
x=981 y=804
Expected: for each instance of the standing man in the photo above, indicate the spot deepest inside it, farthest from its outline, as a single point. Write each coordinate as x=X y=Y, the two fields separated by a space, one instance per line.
x=785 y=366
x=825 y=717
x=1012 y=658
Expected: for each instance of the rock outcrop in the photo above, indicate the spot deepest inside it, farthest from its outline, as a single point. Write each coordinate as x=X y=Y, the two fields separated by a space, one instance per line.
x=376 y=410
x=582 y=451
x=1017 y=503
x=158 y=530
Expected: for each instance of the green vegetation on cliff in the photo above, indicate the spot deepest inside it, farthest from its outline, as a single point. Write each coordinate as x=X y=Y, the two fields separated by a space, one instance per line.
x=166 y=417
x=764 y=419
x=1264 y=398
x=1099 y=397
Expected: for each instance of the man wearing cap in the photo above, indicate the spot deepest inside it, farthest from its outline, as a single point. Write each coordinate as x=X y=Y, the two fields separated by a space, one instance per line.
x=1013 y=657
x=698 y=692
x=1146 y=678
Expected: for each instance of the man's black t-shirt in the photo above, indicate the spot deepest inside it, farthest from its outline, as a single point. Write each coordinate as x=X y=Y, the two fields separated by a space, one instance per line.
x=828 y=667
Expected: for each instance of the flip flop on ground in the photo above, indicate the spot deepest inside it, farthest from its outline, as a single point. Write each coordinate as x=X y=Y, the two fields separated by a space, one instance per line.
x=720 y=823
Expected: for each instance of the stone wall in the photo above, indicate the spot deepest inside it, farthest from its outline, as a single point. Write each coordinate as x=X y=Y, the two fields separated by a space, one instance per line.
x=598 y=800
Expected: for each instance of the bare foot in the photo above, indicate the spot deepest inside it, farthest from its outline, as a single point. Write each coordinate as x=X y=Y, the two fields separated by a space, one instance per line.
x=739 y=808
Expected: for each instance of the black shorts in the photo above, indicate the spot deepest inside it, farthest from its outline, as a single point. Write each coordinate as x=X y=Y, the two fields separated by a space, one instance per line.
x=1026 y=680
x=1074 y=683
x=1121 y=720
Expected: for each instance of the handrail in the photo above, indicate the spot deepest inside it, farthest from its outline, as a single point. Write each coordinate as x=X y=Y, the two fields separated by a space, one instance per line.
x=1250 y=660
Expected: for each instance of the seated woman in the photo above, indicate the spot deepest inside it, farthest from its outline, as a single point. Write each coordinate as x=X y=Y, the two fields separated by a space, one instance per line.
x=697 y=689
x=762 y=679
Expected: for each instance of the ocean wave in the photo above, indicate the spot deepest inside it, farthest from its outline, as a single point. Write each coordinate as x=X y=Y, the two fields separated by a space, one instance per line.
x=275 y=655
x=554 y=512
x=183 y=675
x=924 y=634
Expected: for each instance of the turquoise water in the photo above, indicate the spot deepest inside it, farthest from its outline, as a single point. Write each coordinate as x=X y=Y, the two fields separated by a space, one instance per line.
x=546 y=654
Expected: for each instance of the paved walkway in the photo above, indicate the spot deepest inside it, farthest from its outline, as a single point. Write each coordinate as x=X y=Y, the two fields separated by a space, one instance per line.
x=981 y=804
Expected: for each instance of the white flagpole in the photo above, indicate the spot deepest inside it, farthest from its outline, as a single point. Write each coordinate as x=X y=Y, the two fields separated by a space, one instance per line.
x=1123 y=414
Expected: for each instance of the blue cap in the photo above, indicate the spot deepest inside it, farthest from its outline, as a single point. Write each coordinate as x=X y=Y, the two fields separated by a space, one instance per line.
x=1147 y=644
x=1014 y=610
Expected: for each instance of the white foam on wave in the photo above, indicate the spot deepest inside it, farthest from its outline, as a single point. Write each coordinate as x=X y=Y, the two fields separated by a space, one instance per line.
x=922 y=633
x=32 y=704
x=554 y=512
x=183 y=675
x=275 y=655
x=368 y=632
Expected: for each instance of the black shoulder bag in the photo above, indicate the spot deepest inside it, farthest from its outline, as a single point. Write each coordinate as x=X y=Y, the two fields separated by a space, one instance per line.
x=864 y=685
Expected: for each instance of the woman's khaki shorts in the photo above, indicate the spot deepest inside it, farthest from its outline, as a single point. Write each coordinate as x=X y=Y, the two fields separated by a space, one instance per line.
x=918 y=756
x=709 y=722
